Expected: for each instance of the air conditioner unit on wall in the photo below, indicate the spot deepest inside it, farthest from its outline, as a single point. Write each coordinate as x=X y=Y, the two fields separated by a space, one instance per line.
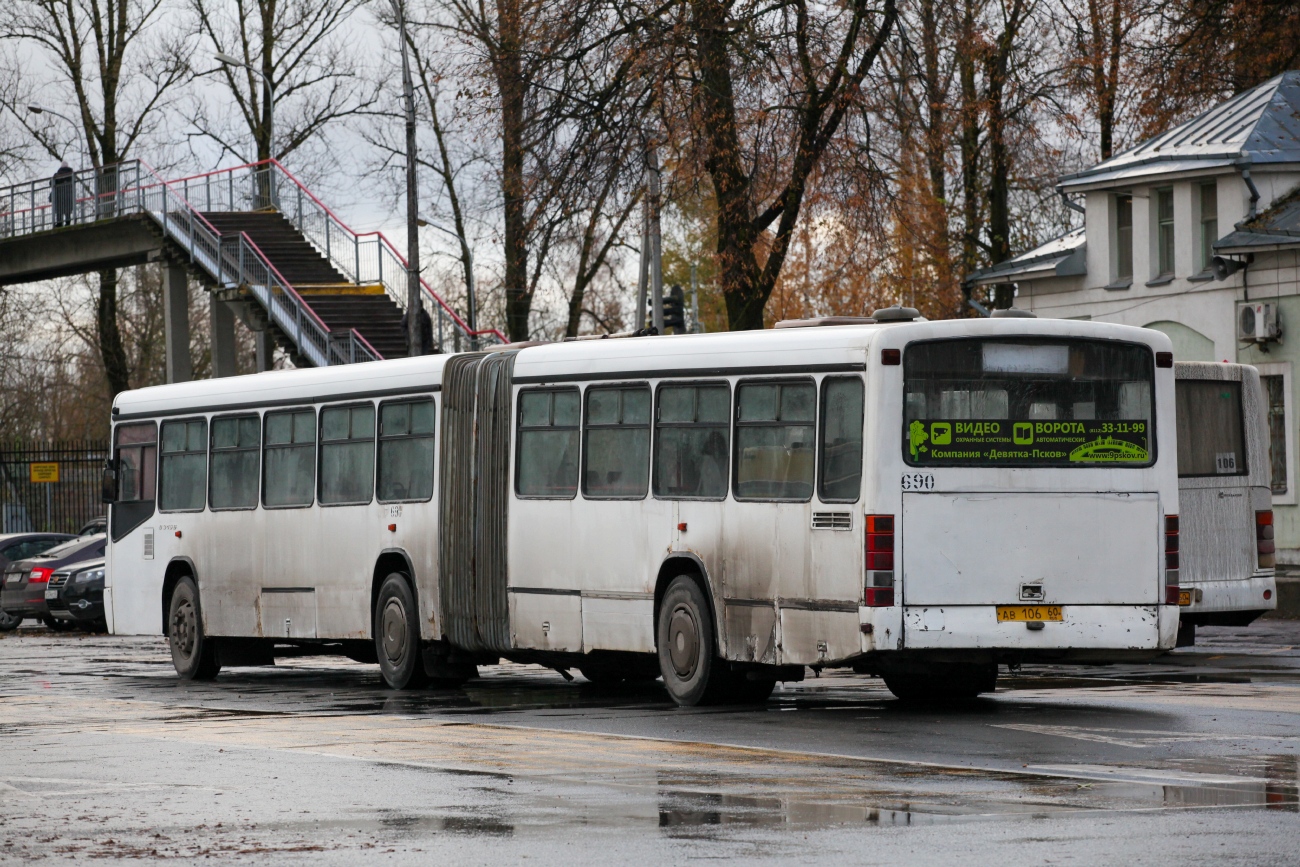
x=1258 y=322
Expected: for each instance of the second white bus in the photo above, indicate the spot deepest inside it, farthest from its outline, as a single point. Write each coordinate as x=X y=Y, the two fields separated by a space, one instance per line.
x=921 y=500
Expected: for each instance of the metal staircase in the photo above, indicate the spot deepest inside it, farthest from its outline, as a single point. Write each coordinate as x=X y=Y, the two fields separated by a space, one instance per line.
x=256 y=234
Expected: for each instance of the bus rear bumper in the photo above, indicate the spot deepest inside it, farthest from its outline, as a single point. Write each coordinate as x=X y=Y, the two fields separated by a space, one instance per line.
x=1235 y=596
x=1090 y=631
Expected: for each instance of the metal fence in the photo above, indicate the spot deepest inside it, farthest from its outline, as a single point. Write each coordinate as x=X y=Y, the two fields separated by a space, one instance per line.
x=50 y=487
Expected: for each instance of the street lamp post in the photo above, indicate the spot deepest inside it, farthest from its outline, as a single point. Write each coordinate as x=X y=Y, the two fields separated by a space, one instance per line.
x=268 y=96
x=413 y=330
x=76 y=130
x=268 y=109
x=469 y=278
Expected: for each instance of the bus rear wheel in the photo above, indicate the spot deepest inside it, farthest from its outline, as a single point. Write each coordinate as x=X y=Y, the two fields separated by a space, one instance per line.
x=193 y=654
x=942 y=683
x=688 y=661
x=397 y=635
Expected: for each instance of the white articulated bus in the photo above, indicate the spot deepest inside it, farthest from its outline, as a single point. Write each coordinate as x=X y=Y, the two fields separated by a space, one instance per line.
x=921 y=500
x=1227 y=504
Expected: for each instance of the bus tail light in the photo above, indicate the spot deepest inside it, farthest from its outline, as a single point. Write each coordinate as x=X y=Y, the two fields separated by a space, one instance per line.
x=1171 y=559
x=39 y=575
x=879 y=590
x=1264 y=539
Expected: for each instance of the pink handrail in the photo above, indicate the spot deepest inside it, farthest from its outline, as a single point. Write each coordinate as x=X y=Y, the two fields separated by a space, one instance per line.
x=389 y=244
x=283 y=282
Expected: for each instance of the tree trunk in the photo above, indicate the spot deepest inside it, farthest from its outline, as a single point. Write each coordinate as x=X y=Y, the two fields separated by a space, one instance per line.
x=116 y=369
x=935 y=144
x=511 y=87
x=738 y=273
x=970 y=144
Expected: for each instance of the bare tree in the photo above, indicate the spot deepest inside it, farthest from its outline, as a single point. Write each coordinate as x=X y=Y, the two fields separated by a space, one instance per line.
x=299 y=72
x=763 y=91
x=116 y=66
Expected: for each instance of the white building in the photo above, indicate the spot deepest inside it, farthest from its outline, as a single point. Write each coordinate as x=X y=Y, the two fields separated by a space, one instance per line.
x=1225 y=184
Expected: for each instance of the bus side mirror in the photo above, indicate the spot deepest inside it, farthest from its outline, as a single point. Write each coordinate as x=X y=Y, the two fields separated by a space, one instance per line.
x=109 y=483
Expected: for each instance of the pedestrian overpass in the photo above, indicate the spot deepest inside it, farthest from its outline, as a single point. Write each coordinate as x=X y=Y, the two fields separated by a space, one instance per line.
x=266 y=249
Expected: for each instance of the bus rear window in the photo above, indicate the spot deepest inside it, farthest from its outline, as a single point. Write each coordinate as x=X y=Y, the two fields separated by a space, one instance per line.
x=1210 y=437
x=1028 y=402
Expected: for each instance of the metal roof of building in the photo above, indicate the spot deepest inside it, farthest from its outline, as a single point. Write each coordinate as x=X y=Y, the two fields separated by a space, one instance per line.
x=1276 y=228
x=1261 y=125
x=1060 y=257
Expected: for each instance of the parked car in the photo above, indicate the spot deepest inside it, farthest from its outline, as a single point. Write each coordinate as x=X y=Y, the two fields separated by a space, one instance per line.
x=25 y=581
x=93 y=526
x=75 y=594
x=20 y=546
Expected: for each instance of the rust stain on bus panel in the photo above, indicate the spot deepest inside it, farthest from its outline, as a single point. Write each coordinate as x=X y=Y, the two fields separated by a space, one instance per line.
x=751 y=632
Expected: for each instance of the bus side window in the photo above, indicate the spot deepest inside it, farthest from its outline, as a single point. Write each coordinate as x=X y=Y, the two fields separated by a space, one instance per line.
x=841 y=440
x=137 y=459
x=692 y=441
x=616 y=457
x=347 y=454
x=406 y=432
x=290 y=461
x=548 y=443
x=234 y=463
x=183 y=470
x=774 y=440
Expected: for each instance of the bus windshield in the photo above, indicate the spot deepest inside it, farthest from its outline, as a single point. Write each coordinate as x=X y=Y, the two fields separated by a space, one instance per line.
x=1028 y=403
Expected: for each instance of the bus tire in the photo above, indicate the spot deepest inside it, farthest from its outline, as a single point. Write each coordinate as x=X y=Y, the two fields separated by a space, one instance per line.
x=942 y=683
x=692 y=672
x=193 y=654
x=397 y=635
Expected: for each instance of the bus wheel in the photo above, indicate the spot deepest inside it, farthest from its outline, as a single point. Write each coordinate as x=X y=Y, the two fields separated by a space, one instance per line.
x=688 y=662
x=941 y=683
x=193 y=654
x=397 y=635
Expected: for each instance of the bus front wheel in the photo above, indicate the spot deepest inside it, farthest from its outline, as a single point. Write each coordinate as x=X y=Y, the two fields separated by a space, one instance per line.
x=397 y=635
x=940 y=683
x=688 y=659
x=193 y=654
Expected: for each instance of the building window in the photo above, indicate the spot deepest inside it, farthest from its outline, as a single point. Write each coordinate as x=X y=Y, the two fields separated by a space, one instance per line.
x=1123 y=238
x=1209 y=223
x=1274 y=394
x=1165 y=232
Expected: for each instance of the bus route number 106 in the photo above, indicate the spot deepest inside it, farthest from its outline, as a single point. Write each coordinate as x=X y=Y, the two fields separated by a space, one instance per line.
x=918 y=482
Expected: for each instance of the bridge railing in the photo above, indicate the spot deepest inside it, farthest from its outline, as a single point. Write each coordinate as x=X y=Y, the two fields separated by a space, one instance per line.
x=133 y=187
x=363 y=258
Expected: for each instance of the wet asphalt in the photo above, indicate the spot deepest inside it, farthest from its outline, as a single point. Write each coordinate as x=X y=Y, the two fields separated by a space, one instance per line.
x=104 y=754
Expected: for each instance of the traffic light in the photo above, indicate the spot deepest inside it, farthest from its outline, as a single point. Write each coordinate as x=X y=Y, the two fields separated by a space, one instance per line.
x=675 y=310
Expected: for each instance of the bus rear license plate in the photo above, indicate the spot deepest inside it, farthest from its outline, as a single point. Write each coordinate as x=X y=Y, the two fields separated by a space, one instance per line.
x=1028 y=613
x=1184 y=597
